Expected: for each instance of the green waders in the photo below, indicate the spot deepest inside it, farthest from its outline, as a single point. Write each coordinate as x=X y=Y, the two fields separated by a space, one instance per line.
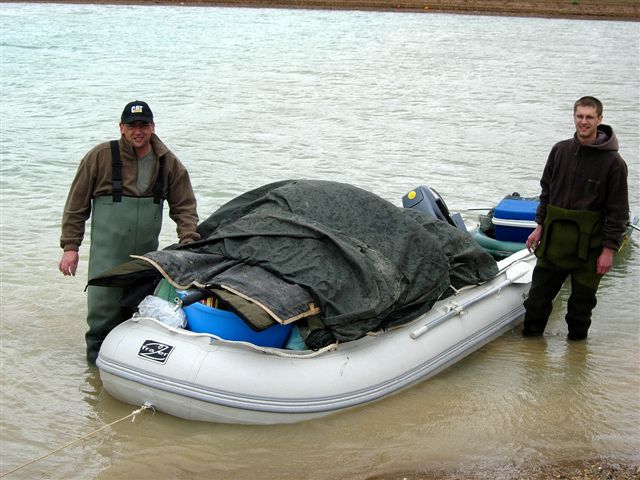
x=571 y=245
x=118 y=229
x=547 y=282
x=120 y=226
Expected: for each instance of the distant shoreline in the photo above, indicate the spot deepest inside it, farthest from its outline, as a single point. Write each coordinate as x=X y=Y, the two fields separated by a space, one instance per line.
x=626 y=10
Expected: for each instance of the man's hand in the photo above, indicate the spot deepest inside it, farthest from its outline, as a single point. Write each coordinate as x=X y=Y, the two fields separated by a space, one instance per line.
x=605 y=261
x=533 y=241
x=69 y=263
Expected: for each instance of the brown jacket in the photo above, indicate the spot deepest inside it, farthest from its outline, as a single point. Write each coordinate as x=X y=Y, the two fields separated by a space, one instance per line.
x=93 y=179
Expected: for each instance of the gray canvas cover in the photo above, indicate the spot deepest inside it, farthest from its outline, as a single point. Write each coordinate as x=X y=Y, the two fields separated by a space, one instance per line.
x=365 y=263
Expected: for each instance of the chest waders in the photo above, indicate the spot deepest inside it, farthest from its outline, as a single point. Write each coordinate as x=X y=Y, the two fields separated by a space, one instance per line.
x=120 y=226
x=570 y=246
x=569 y=237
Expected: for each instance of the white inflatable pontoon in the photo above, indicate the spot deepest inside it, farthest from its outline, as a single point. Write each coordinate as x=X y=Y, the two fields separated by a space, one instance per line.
x=201 y=377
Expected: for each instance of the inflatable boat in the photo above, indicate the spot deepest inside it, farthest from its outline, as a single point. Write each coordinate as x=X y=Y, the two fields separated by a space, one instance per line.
x=200 y=376
x=217 y=369
x=366 y=300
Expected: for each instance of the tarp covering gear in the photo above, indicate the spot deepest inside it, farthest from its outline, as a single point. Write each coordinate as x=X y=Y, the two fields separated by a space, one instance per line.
x=303 y=248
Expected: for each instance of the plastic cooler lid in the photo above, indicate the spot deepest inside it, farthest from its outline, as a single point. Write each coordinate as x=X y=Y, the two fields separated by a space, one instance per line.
x=516 y=209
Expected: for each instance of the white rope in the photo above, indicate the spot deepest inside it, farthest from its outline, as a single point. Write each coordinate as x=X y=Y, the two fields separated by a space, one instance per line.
x=132 y=415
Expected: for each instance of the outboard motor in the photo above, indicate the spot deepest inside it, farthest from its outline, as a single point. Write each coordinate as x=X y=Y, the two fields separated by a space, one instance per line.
x=427 y=200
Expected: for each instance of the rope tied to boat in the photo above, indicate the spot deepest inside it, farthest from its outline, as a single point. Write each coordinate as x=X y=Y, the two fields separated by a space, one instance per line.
x=132 y=415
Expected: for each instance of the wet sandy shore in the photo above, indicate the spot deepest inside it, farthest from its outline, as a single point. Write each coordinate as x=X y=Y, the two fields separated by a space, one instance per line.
x=576 y=470
x=586 y=9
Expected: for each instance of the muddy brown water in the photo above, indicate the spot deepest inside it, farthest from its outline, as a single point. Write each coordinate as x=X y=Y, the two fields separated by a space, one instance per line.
x=468 y=105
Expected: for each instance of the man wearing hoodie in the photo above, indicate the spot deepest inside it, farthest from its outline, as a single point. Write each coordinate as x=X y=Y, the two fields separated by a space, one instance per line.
x=122 y=185
x=583 y=212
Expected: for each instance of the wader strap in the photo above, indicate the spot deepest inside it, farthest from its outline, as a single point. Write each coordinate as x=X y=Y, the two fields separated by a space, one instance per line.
x=158 y=187
x=116 y=171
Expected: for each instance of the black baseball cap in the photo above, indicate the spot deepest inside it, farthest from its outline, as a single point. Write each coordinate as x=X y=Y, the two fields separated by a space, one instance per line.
x=137 y=111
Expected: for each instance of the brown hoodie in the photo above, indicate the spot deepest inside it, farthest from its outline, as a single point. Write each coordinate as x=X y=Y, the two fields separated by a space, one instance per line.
x=589 y=177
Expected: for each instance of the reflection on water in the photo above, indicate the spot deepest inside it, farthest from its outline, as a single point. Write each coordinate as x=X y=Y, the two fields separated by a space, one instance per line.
x=467 y=105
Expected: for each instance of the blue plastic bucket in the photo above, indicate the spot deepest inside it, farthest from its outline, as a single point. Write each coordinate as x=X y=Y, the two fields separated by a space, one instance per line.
x=227 y=325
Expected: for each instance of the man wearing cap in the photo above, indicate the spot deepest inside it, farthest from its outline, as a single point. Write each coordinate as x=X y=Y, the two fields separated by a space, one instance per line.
x=122 y=185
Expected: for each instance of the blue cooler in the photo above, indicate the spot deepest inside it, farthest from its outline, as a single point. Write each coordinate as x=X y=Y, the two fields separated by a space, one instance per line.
x=227 y=325
x=514 y=219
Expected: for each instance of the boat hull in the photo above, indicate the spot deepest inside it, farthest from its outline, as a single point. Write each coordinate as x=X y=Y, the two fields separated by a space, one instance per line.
x=200 y=377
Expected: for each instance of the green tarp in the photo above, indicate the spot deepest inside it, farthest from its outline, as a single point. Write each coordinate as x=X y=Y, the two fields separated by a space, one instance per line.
x=364 y=262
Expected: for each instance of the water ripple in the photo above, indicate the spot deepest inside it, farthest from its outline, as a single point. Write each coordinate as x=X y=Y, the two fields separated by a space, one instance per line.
x=468 y=105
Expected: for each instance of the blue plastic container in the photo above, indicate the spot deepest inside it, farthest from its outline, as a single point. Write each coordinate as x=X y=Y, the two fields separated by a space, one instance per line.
x=514 y=219
x=516 y=209
x=227 y=325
